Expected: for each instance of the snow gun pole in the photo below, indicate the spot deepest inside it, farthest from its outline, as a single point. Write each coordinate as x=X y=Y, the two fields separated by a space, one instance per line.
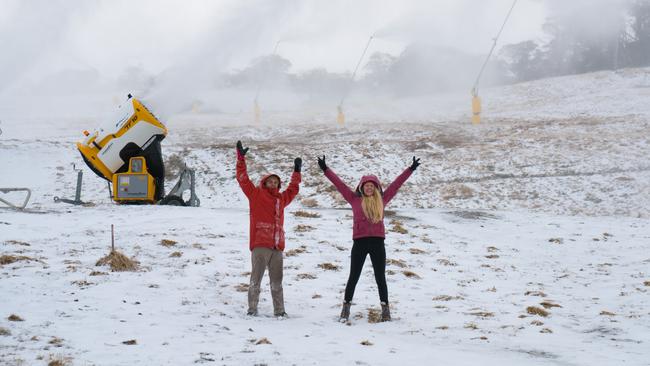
x=112 y=239
x=340 y=117
x=476 y=101
x=256 y=106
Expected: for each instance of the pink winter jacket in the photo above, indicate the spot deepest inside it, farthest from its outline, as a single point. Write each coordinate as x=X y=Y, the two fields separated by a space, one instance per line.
x=362 y=227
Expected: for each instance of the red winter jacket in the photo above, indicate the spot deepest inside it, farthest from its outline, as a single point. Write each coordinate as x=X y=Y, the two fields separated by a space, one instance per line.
x=362 y=227
x=266 y=208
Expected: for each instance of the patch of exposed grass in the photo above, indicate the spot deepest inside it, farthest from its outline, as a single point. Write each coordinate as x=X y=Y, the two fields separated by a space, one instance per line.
x=130 y=342
x=534 y=310
x=8 y=259
x=482 y=314
x=492 y=256
x=535 y=293
x=416 y=251
x=607 y=313
x=472 y=326
x=242 y=287
x=296 y=251
x=546 y=330
x=447 y=298
x=537 y=323
x=306 y=276
x=303 y=228
x=59 y=361
x=4 y=332
x=492 y=249
x=411 y=274
x=98 y=273
x=548 y=305
x=366 y=343
x=329 y=266
x=316 y=296
x=168 y=243
x=15 y=318
x=82 y=283
x=309 y=202
x=446 y=262
x=118 y=262
x=311 y=215
x=17 y=242
x=56 y=341
x=263 y=340
x=176 y=255
x=556 y=240
x=396 y=262
x=397 y=227
x=374 y=315
x=646 y=283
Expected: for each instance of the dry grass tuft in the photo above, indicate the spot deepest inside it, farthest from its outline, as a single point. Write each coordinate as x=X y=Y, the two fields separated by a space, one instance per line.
x=4 y=332
x=309 y=202
x=556 y=240
x=311 y=215
x=316 y=296
x=176 y=255
x=82 y=283
x=456 y=191
x=396 y=262
x=17 y=242
x=607 y=313
x=446 y=262
x=471 y=326
x=646 y=283
x=303 y=228
x=366 y=343
x=118 y=262
x=263 y=341
x=306 y=276
x=492 y=249
x=411 y=274
x=374 y=315
x=546 y=330
x=56 y=341
x=442 y=327
x=535 y=293
x=397 y=227
x=15 y=318
x=417 y=251
x=447 y=298
x=8 y=259
x=482 y=314
x=242 y=287
x=296 y=251
x=492 y=256
x=537 y=323
x=329 y=266
x=534 y=310
x=168 y=242
x=130 y=342
x=548 y=305
x=59 y=361
x=98 y=273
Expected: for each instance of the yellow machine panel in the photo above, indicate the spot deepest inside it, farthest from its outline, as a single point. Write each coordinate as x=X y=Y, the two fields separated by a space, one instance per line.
x=134 y=185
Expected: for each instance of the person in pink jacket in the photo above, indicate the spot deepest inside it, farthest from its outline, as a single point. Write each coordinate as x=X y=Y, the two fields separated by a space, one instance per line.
x=368 y=201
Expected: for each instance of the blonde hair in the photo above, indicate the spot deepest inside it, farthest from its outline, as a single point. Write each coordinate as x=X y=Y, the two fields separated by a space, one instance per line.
x=373 y=207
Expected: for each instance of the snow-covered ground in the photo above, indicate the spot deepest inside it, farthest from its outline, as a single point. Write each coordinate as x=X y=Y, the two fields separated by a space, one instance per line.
x=545 y=204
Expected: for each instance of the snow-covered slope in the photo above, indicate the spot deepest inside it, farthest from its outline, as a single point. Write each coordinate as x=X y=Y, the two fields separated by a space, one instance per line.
x=543 y=205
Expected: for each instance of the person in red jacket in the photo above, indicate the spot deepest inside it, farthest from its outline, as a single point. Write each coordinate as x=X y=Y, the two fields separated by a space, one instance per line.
x=266 y=204
x=368 y=201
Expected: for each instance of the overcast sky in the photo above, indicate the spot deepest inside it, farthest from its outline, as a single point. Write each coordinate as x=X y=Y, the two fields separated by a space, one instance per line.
x=40 y=36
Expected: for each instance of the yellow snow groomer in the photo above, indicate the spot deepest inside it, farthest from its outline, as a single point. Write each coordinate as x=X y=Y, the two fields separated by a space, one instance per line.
x=127 y=153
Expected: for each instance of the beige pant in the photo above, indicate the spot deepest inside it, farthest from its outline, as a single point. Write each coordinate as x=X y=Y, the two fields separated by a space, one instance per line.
x=260 y=259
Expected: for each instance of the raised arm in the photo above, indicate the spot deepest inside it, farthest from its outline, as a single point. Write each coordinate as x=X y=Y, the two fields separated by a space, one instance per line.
x=347 y=193
x=294 y=186
x=242 y=175
x=392 y=189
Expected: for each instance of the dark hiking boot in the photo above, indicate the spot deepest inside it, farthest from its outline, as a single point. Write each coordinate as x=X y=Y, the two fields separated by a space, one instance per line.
x=385 y=312
x=252 y=313
x=281 y=315
x=345 y=312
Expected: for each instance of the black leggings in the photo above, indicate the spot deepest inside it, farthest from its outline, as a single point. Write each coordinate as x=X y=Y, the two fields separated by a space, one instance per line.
x=362 y=247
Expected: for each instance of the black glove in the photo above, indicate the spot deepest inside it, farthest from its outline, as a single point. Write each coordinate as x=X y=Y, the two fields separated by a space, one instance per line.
x=416 y=164
x=241 y=150
x=321 y=163
x=297 y=165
